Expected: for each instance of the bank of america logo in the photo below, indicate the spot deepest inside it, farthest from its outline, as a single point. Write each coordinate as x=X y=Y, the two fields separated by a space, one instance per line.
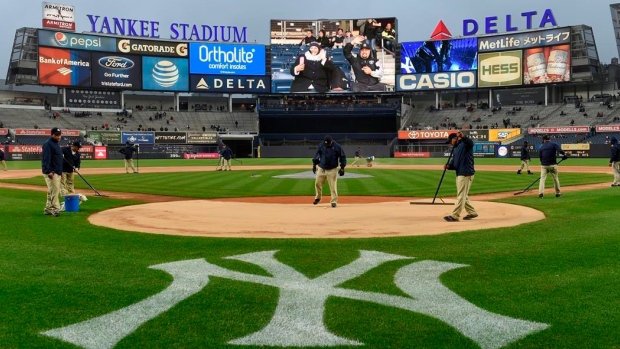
x=64 y=71
x=202 y=84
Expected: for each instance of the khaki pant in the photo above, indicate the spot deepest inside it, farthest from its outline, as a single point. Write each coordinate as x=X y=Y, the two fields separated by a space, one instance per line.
x=67 y=184
x=128 y=164
x=225 y=164
x=53 y=190
x=544 y=170
x=616 y=166
x=3 y=164
x=526 y=164
x=357 y=158
x=463 y=184
x=331 y=177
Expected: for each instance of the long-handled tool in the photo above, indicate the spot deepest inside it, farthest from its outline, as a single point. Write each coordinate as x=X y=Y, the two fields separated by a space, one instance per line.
x=438 y=186
x=97 y=193
x=534 y=182
x=241 y=162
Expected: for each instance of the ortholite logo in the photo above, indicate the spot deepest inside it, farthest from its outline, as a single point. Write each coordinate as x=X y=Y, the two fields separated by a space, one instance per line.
x=298 y=318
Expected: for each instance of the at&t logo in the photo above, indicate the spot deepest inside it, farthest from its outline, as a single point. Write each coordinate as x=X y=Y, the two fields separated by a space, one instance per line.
x=165 y=73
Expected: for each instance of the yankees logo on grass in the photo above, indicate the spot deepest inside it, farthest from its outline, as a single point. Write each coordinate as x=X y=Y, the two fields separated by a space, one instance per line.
x=298 y=319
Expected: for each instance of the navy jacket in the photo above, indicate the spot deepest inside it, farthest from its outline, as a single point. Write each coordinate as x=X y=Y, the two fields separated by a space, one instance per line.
x=70 y=160
x=548 y=152
x=51 y=162
x=525 y=153
x=127 y=151
x=463 y=158
x=615 y=151
x=328 y=157
x=1 y=154
x=226 y=153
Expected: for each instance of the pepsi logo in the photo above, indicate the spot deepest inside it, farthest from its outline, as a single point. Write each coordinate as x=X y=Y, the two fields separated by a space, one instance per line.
x=165 y=73
x=61 y=38
x=115 y=62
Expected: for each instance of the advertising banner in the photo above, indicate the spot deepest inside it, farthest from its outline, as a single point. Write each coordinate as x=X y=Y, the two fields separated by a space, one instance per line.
x=4 y=131
x=500 y=69
x=30 y=149
x=58 y=16
x=566 y=129
x=230 y=84
x=477 y=135
x=138 y=137
x=202 y=137
x=165 y=74
x=152 y=48
x=171 y=137
x=544 y=65
x=119 y=71
x=76 y=41
x=520 y=96
x=425 y=134
x=411 y=154
x=502 y=134
x=58 y=67
x=44 y=132
x=93 y=99
x=201 y=156
x=101 y=153
x=438 y=56
x=436 y=81
x=515 y=41
x=601 y=128
x=111 y=138
x=216 y=58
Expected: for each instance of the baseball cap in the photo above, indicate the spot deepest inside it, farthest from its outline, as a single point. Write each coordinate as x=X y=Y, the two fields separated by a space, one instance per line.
x=328 y=140
x=365 y=45
x=546 y=137
x=314 y=43
x=451 y=137
x=77 y=144
x=56 y=130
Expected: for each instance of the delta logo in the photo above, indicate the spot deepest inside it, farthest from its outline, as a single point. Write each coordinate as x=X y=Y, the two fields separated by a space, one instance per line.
x=61 y=39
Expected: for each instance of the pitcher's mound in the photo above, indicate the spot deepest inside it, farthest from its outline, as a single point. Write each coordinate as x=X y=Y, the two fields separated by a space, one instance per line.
x=296 y=217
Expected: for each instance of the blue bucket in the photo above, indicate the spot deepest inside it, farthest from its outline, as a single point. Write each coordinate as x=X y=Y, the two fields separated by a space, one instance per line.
x=72 y=203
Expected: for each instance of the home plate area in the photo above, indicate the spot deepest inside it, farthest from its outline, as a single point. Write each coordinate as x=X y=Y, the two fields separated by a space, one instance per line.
x=296 y=217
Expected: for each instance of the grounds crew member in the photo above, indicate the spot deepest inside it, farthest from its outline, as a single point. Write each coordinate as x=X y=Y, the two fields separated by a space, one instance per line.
x=614 y=161
x=548 y=164
x=327 y=158
x=51 y=166
x=525 y=159
x=367 y=70
x=226 y=154
x=70 y=164
x=358 y=155
x=2 y=158
x=128 y=151
x=463 y=164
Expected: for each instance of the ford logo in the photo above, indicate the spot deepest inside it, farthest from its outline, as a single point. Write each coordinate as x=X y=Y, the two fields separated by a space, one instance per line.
x=114 y=62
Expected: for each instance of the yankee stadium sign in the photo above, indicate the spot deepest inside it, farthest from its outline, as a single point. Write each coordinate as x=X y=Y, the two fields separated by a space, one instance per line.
x=299 y=317
x=178 y=31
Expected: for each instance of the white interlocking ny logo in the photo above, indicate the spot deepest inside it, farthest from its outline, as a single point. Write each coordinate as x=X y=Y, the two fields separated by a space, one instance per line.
x=298 y=318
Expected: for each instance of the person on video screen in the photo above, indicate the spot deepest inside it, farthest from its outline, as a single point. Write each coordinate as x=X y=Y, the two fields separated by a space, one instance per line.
x=311 y=70
x=366 y=69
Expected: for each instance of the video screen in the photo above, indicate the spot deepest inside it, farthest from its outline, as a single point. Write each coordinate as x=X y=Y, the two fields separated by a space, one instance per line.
x=59 y=67
x=435 y=56
x=544 y=65
x=333 y=55
x=117 y=71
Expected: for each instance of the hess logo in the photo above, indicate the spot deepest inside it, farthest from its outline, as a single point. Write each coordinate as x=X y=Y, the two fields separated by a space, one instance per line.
x=499 y=69
x=61 y=39
x=115 y=62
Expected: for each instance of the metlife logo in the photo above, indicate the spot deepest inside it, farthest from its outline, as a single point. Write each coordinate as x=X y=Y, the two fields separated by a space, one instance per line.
x=220 y=59
x=76 y=41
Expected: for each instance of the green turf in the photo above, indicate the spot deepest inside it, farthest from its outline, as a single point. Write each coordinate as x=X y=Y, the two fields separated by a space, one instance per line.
x=561 y=271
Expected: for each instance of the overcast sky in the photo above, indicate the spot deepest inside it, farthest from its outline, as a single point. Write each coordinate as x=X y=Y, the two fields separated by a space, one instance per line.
x=416 y=19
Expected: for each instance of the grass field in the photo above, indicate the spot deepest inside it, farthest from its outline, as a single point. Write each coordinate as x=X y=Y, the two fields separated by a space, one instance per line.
x=561 y=272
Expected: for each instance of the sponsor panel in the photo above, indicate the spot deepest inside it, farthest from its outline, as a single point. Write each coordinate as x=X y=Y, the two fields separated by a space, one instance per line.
x=567 y=129
x=58 y=16
x=111 y=138
x=411 y=154
x=93 y=99
x=601 y=128
x=76 y=41
x=101 y=153
x=526 y=40
x=520 y=96
x=436 y=81
x=171 y=137
x=152 y=48
x=500 y=69
x=138 y=137
x=202 y=137
x=201 y=156
x=4 y=131
x=502 y=134
x=215 y=58
x=165 y=74
x=542 y=65
x=477 y=135
x=44 y=132
x=438 y=56
x=116 y=71
x=230 y=84
x=579 y=146
x=424 y=134
x=59 y=67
